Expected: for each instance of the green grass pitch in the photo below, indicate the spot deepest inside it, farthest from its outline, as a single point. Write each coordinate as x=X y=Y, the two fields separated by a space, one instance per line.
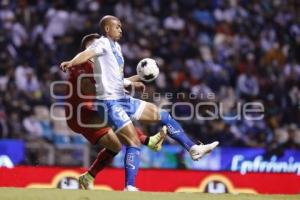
x=58 y=194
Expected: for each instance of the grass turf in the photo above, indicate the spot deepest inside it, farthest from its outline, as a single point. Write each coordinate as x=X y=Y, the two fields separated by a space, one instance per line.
x=58 y=194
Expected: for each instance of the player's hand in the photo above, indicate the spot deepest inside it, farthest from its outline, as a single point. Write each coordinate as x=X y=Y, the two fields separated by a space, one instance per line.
x=65 y=65
x=139 y=86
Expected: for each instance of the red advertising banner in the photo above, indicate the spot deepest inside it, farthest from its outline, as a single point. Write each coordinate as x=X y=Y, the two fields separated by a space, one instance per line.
x=155 y=180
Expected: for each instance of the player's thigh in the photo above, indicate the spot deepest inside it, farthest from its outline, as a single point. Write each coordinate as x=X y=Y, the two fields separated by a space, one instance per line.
x=150 y=113
x=93 y=135
x=142 y=111
x=121 y=123
x=113 y=113
x=91 y=119
x=110 y=141
x=89 y=125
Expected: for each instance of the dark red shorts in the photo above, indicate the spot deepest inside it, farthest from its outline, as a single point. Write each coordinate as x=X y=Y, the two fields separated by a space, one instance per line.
x=92 y=134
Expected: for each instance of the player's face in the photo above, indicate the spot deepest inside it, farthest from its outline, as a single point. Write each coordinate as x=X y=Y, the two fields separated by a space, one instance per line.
x=115 y=30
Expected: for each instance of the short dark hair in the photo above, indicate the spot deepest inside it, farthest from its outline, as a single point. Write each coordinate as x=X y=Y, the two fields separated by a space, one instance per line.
x=87 y=38
x=104 y=21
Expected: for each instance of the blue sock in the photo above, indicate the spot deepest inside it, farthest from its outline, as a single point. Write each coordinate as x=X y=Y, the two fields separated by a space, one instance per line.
x=175 y=131
x=131 y=163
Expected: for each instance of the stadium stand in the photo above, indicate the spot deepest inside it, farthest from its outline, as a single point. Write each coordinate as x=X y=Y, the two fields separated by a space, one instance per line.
x=240 y=51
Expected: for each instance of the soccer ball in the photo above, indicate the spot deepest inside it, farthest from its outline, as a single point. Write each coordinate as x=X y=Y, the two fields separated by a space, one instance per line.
x=147 y=70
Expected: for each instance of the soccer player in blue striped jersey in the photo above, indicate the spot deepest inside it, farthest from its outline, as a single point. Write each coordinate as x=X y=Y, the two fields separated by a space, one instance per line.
x=120 y=108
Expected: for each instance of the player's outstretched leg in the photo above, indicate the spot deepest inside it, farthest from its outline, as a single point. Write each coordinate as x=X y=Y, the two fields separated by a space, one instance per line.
x=105 y=138
x=178 y=134
x=131 y=163
x=104 y=158
x=151 y=113
x=128 y=136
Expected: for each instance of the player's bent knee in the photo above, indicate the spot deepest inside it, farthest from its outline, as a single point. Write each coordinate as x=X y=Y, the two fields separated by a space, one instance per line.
x=110 y=141
x=129 y=141
x=137 y=142
x=133 y=142
x=116 y=148
x=156 y=114
x=165 y=116
x=151 y=113
x=115 y=145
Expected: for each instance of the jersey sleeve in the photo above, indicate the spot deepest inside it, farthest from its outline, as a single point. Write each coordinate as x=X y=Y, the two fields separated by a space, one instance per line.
x=98 y=46
x=127 y=82
x=119 y=47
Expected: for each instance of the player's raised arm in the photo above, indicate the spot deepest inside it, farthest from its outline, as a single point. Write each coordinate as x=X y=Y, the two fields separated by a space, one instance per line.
x=134 y=82
x=80 y=58
x=134 y=78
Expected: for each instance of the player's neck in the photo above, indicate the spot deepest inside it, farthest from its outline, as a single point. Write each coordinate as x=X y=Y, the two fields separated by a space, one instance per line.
x=112 y=40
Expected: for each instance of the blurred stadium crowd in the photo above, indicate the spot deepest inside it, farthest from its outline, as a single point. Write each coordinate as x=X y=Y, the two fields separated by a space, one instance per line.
x=238 y=50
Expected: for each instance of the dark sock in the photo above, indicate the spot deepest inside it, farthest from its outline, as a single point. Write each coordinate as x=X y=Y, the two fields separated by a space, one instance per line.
x=103 y=159
x=146 y=142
